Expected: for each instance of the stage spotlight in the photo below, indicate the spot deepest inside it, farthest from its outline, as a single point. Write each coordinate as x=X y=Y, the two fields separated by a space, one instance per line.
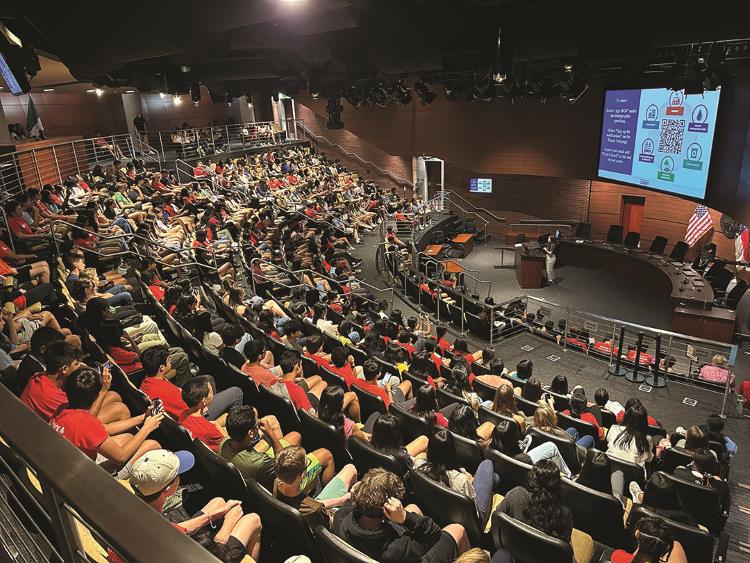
x=177 y=99
x=425 y=95
x=451 y=93
x=401 y=93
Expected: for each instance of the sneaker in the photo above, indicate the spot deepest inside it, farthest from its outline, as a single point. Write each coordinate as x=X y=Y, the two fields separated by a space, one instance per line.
x=635 y=492
x=525 y=443
x=122 y=269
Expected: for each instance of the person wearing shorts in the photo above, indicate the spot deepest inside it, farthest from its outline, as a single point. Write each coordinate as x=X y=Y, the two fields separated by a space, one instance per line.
x=292 y=470
x=254 y=443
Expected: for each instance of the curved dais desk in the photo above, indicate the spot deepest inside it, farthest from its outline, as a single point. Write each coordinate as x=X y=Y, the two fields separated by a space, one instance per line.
x=688 y=291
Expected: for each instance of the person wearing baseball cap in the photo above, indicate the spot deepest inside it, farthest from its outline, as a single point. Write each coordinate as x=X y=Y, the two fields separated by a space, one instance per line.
x=156 y=475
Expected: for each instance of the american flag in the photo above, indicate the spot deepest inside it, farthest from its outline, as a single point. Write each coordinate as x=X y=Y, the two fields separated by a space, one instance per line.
x=698 y=225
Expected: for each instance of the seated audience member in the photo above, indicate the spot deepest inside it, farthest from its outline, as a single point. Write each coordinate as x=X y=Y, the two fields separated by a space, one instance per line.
x=636 y=401
x=44 y=392
x=532 y=391
x=331 y=410
x=578 y=410
x=156 y=476
x=717 y=371
x=505 y=404
x=389 y=392
x=157 y=365
x=645 y=359
x=442 y=466
x=231 y=336
x=540 y=507
x=524 y=370
x=254 y=351
x=701 y=472
x=386 y=438
x=342 y=363
x=425 y=406
x=506 y=438
x=314 y=351
x=198 y=394
x=81 y=428
x=693 y=439
x=443 y=345
x=596 y=471
x=463 y=420
x=290 y=467
x=33 y=361
x=297 y=388
x=376 y=523
x=254 y=442
x=601 y=398
x=545 y=419
x=715 y=430
x=661 y=497
x=655 y=544
x=559 y=386
x=630 y=441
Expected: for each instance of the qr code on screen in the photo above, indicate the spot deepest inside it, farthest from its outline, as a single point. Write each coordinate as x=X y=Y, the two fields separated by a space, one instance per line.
x=672 y=131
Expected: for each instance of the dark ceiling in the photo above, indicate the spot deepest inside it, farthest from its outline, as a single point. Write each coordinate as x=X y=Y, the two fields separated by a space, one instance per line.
x=254 y=45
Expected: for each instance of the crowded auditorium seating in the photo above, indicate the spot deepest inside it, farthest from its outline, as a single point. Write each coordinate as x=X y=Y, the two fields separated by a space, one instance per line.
x=239 y=304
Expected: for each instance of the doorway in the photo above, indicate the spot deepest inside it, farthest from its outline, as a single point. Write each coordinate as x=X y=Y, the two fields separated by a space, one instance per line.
x=631 y=213
x=430 y=176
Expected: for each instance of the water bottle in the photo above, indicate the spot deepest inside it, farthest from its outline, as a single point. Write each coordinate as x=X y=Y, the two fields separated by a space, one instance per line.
x=740 y=402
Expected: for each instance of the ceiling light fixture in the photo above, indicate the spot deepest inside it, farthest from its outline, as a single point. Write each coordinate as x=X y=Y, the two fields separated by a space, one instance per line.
x=161 y=95
x=48 y=90
x=129 y=91
x=177 y=100
x=99 y=91
x=91 y=90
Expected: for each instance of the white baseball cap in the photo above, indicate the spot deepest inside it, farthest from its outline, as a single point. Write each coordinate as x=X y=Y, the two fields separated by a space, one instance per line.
x=154 y=470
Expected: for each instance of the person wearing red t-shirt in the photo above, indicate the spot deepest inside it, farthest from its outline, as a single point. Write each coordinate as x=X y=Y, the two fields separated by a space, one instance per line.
x=655 y=542
x=577 y=410
x=389 y=392
x=440 y=331
x=302 y=398
x=605 y=347
x=18 y=225
x=404 y=340
x=645 y=359
x=79 y=427
x=44 y=394
x=630 y=402
x=198 y=394
x=254 y=352
x=313 y=345
x=425 y=406
x=342 y=363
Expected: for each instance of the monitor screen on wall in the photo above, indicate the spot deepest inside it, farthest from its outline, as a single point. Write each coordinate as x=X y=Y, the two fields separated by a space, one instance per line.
x=659 y=138
x=480 y=185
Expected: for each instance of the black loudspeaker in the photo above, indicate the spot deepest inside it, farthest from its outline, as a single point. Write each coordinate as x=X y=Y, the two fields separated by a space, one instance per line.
x=614 y=235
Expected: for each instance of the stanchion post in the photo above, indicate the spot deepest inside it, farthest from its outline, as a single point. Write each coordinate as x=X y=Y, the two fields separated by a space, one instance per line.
x=617 y=370
x=634 y=376
x=654 y=380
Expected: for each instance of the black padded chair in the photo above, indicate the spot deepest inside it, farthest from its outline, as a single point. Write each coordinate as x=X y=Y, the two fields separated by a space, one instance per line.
x=412 y=426
x=317 y=433
x=511 y=471
x=614 y=234
x=336 y=550
x=584 y=428
x=486 y=392
x=368 y=403
x=720 y=280
x=309 y=367
x=702 y=502
x=468 y=452
x=631 y=471
x=447 y=506
x=598 y=514
x=568 y=448
x=698 y=544
x=332 y=378
x=444 y=398
x=583 y=231
x=225 y=479
x=526 y=407
x=285 y=530
x=673 y=457
x=527 y=544
x=632 y=239
x=172 y=436
x=608 y=418
x=732 y=298
x=658 y=245
x=679 y=251
x=488 y=415
x=281 y=407
x=366 y=457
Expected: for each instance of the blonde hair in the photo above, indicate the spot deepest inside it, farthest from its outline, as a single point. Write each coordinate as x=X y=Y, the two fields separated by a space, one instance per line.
x=545 y=417
x=719 y=360
x=474 y=555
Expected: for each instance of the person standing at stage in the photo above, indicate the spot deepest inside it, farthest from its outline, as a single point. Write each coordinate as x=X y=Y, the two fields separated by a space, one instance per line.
x=550 y=258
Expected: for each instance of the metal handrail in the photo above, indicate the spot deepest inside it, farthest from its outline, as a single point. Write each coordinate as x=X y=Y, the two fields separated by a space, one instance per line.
x=483 y=209
x=354 y=155
x=135 y=531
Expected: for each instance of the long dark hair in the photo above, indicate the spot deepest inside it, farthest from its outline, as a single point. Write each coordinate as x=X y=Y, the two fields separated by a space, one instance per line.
x=331 y=406
x=532 y=390
x=545 y=512
x=202 y=325
x=655 y=541
x=505 y=437
x=559 y=385
x=425 y=404
x=595 y=472
x=458 y=378
x=577 y=405
x=635 y=423
x=386 y=434
x=464 y=422
x=441 y=456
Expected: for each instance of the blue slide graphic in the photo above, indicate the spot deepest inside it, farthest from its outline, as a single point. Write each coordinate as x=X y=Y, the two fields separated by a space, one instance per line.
x=659 y=138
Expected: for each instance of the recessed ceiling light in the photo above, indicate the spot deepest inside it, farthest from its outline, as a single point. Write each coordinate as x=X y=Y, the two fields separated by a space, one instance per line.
x=129 y=91
x=91 y=90
x=177 y=100
x=162 y=94
x=48 y=90
x=99 y=91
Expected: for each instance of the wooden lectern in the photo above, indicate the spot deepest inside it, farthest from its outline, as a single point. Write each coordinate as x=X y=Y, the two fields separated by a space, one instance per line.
x=529 y=268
